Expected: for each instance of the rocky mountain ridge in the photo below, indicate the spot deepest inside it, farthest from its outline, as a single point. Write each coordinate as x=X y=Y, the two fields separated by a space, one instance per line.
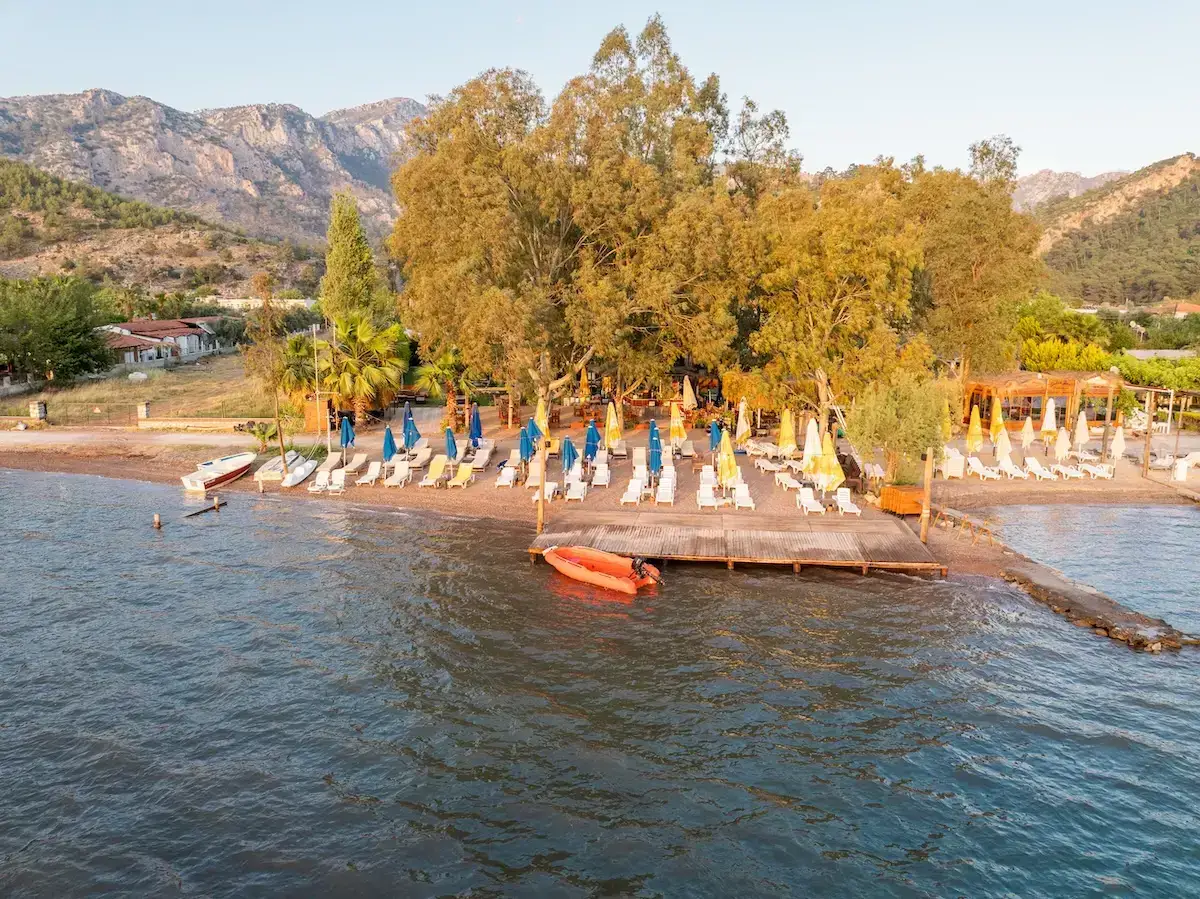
x=1040 y=187
x=270 y=169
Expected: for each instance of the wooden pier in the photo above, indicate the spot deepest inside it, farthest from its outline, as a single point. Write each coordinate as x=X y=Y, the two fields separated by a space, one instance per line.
x=832 y=541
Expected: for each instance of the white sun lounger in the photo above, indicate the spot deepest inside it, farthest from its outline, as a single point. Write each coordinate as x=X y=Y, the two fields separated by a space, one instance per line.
x=601 y=458
x=633 y=492
x=1105 y=472
x=688 y=449
x=706 y=498
x=576 y=490
x=762 y=463
x=845 y=504
x=331 y=462
x=786 y=481
x=400 y=476
x=321 y=484
x=337 y=482
x=1035 y=468
x=551 y=491
x=639 y=457
x=975 y=467
x=602 y=476
x=356 y=464
x=482 y=457
x=371 y=476
x=534 y=480
x=1066 y=471
x=742 y=498
x=665 y=492
x=421 y=458
x=1007 y=467
x=508 y=476
x=806 y=501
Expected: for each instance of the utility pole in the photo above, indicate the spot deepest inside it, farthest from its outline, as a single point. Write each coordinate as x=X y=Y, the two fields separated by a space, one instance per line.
x=541 y=516
x=324 y=413
x=927 y=495
x=1151 y=410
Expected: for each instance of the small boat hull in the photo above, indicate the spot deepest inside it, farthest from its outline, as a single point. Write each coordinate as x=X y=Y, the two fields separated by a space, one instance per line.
x=299 y=473
x=600 y=569
x=217 y=472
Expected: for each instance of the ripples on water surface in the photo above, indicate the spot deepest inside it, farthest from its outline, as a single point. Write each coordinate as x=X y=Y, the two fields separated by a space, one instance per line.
x=304 y=699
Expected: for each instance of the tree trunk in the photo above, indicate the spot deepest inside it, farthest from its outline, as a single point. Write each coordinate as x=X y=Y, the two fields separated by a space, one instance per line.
x=279 y=434
x=451 y=407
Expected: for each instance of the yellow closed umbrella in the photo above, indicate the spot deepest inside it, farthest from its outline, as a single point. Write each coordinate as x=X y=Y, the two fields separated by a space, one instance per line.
x=742 y=433
x=689 y=395
x=996 y=426
x=585 y=389
x=811 y=460
x=787 y=434
x=612 y=428
x=727 y=470
x=975 y=432
x=541 y=419
x=831 y=475
x=947 y=430
x=677 y=434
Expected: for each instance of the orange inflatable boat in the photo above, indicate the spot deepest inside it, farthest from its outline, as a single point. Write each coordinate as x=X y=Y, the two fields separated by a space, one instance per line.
x=601 y=569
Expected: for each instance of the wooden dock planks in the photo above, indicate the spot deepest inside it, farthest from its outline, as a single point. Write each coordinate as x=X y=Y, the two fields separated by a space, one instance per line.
x=874 y=543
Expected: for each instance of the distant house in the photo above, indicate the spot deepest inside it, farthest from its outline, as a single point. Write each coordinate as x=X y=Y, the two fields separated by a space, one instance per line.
x=242 y=304
x=1161 y=354
x=1172 y=309
x=148 y=339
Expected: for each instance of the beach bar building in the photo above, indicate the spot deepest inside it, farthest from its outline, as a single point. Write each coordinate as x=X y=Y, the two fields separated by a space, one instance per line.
x=1027 y=393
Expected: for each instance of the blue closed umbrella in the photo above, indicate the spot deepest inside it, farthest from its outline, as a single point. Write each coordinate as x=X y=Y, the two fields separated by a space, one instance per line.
x=451 y=445
x=535 y=433
x=410 y=433
x=591 y=443
x=526 y=446
x=476 y=430
x=570 y=455
x=347 y=435
x=714 y=437
x=655 y=449
x=389 y=444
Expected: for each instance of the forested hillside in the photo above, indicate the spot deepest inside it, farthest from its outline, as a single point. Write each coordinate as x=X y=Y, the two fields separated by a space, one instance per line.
x=1136 y=239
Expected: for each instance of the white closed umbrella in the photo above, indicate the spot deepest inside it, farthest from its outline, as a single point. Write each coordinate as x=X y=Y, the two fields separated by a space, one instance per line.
x=1003 y=446
x=812 y=447
x=742 y=432
x=1081 y=431
x=1062 y=446
x=1117 y=447
x=1027 y=434
x=1049 y=424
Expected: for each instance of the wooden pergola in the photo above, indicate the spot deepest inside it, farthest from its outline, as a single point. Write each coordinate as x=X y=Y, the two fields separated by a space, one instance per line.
x=1027 y=393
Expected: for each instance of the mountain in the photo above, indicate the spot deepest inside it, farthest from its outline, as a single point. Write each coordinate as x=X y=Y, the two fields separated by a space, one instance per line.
x=1135 y=239
x=50 y=226
x=1034 y=190
x=270 y=169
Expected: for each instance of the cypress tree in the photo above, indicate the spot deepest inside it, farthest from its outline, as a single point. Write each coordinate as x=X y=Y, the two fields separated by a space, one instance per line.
x=350 y=278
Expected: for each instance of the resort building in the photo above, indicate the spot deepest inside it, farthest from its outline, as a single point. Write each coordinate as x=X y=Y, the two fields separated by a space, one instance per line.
x=146 y=341
x=1027 y=393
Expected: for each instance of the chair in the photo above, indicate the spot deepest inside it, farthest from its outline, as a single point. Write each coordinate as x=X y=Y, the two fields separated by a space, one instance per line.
x=975 y=467
x=633 y=492
x=806 y=501
x=742 y=498
x=371 y=476
x=1066 y=471
x=337 y=482
x=508 y=476
x=706 y=498
x=845 y=504
x=482 y=457
x=576 y=490
x=420 y=458
x=1098 y=471
x=602 y=476
x=321 y=483
x=400 y=476
x=665 y=492
x=1035 y=468
x=1007 y=467
x=462 y=477
x=436 y=469
x=688 y=449
x=359 y=460
x=786 y=481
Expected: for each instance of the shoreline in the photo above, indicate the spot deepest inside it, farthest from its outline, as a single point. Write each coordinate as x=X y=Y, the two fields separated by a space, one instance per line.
x=1078 y=603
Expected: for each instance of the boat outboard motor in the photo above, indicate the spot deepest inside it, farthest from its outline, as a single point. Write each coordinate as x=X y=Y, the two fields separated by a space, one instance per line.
x=639 y=568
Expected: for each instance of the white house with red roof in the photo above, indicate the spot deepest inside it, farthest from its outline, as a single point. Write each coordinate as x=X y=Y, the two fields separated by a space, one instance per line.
x=147 y=340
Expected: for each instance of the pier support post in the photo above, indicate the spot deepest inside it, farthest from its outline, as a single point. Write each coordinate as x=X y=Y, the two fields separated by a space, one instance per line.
x=927 y=495
x=157 y=522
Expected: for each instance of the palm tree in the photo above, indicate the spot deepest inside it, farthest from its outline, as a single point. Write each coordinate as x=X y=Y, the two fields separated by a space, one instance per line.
x=443 y=376
x=298 y=379
x=363 y=364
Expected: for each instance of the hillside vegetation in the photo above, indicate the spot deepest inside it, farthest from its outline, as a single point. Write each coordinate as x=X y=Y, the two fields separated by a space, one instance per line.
x=1136 y=239
x=49 y=226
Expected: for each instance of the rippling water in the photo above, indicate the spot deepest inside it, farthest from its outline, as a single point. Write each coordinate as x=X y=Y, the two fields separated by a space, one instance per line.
x=321 y=700
x=1147 y=557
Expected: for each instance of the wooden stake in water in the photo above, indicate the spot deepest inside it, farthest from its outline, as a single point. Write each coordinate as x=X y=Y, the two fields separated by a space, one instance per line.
x=157 y=522
x=216 y=504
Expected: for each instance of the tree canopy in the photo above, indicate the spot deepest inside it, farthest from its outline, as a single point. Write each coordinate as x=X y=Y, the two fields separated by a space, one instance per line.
x=48 y=328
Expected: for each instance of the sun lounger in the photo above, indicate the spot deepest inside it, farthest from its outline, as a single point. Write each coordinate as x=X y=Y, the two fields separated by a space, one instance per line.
x=762 y=463
x=462 y=452
x=1084 y=456
x=337 y=482
x=806 y=501
x=436 y=469
x=421 y=458
x=619 y=450
x=975 y=467
x=742 y=498
x=845 y=504
x=576 y=490
x=551 y=491
x=953 y=465
x=688 y=449
x=482 y=457
x=665 y=492
x=601 y=459
x=1163 y=463
x=462 y=477
x=1066 y=471
x=639 y=457
x=555 y=446
x=786 y=481
x=602 y=476
x=1007 y=467
x=400 y=475
x=534 y=479
x=754 y=448
x=706 y=498
x=321 y=484
x=331 y=462
x=371 y=476
x=508 y=476
x=1035 y=468
x=633 y=492
x=1105 y=472
x=355 y=465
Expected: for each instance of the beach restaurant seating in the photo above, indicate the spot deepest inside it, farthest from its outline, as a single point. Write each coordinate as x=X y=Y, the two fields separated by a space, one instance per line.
x=806 y=501
x=1035 y=468
x=355 y=464
x=436 y=469
x=337 y=482
x=1007 y=467
x=975 y=467
x=742 y=498
x=1103 y=471
x=845 y=505
x=321 y=484
x=371 y=476
x=400 y=475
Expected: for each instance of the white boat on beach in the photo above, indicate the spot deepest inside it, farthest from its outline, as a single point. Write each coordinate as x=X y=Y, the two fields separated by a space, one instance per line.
x=216 y=472
x=272 y=470
x=299 y=473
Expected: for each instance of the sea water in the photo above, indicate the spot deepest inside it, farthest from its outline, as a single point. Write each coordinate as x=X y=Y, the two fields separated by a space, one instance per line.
x=291 y=698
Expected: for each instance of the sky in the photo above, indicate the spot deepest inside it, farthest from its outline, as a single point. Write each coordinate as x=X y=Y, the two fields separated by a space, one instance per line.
x=1087 y=87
